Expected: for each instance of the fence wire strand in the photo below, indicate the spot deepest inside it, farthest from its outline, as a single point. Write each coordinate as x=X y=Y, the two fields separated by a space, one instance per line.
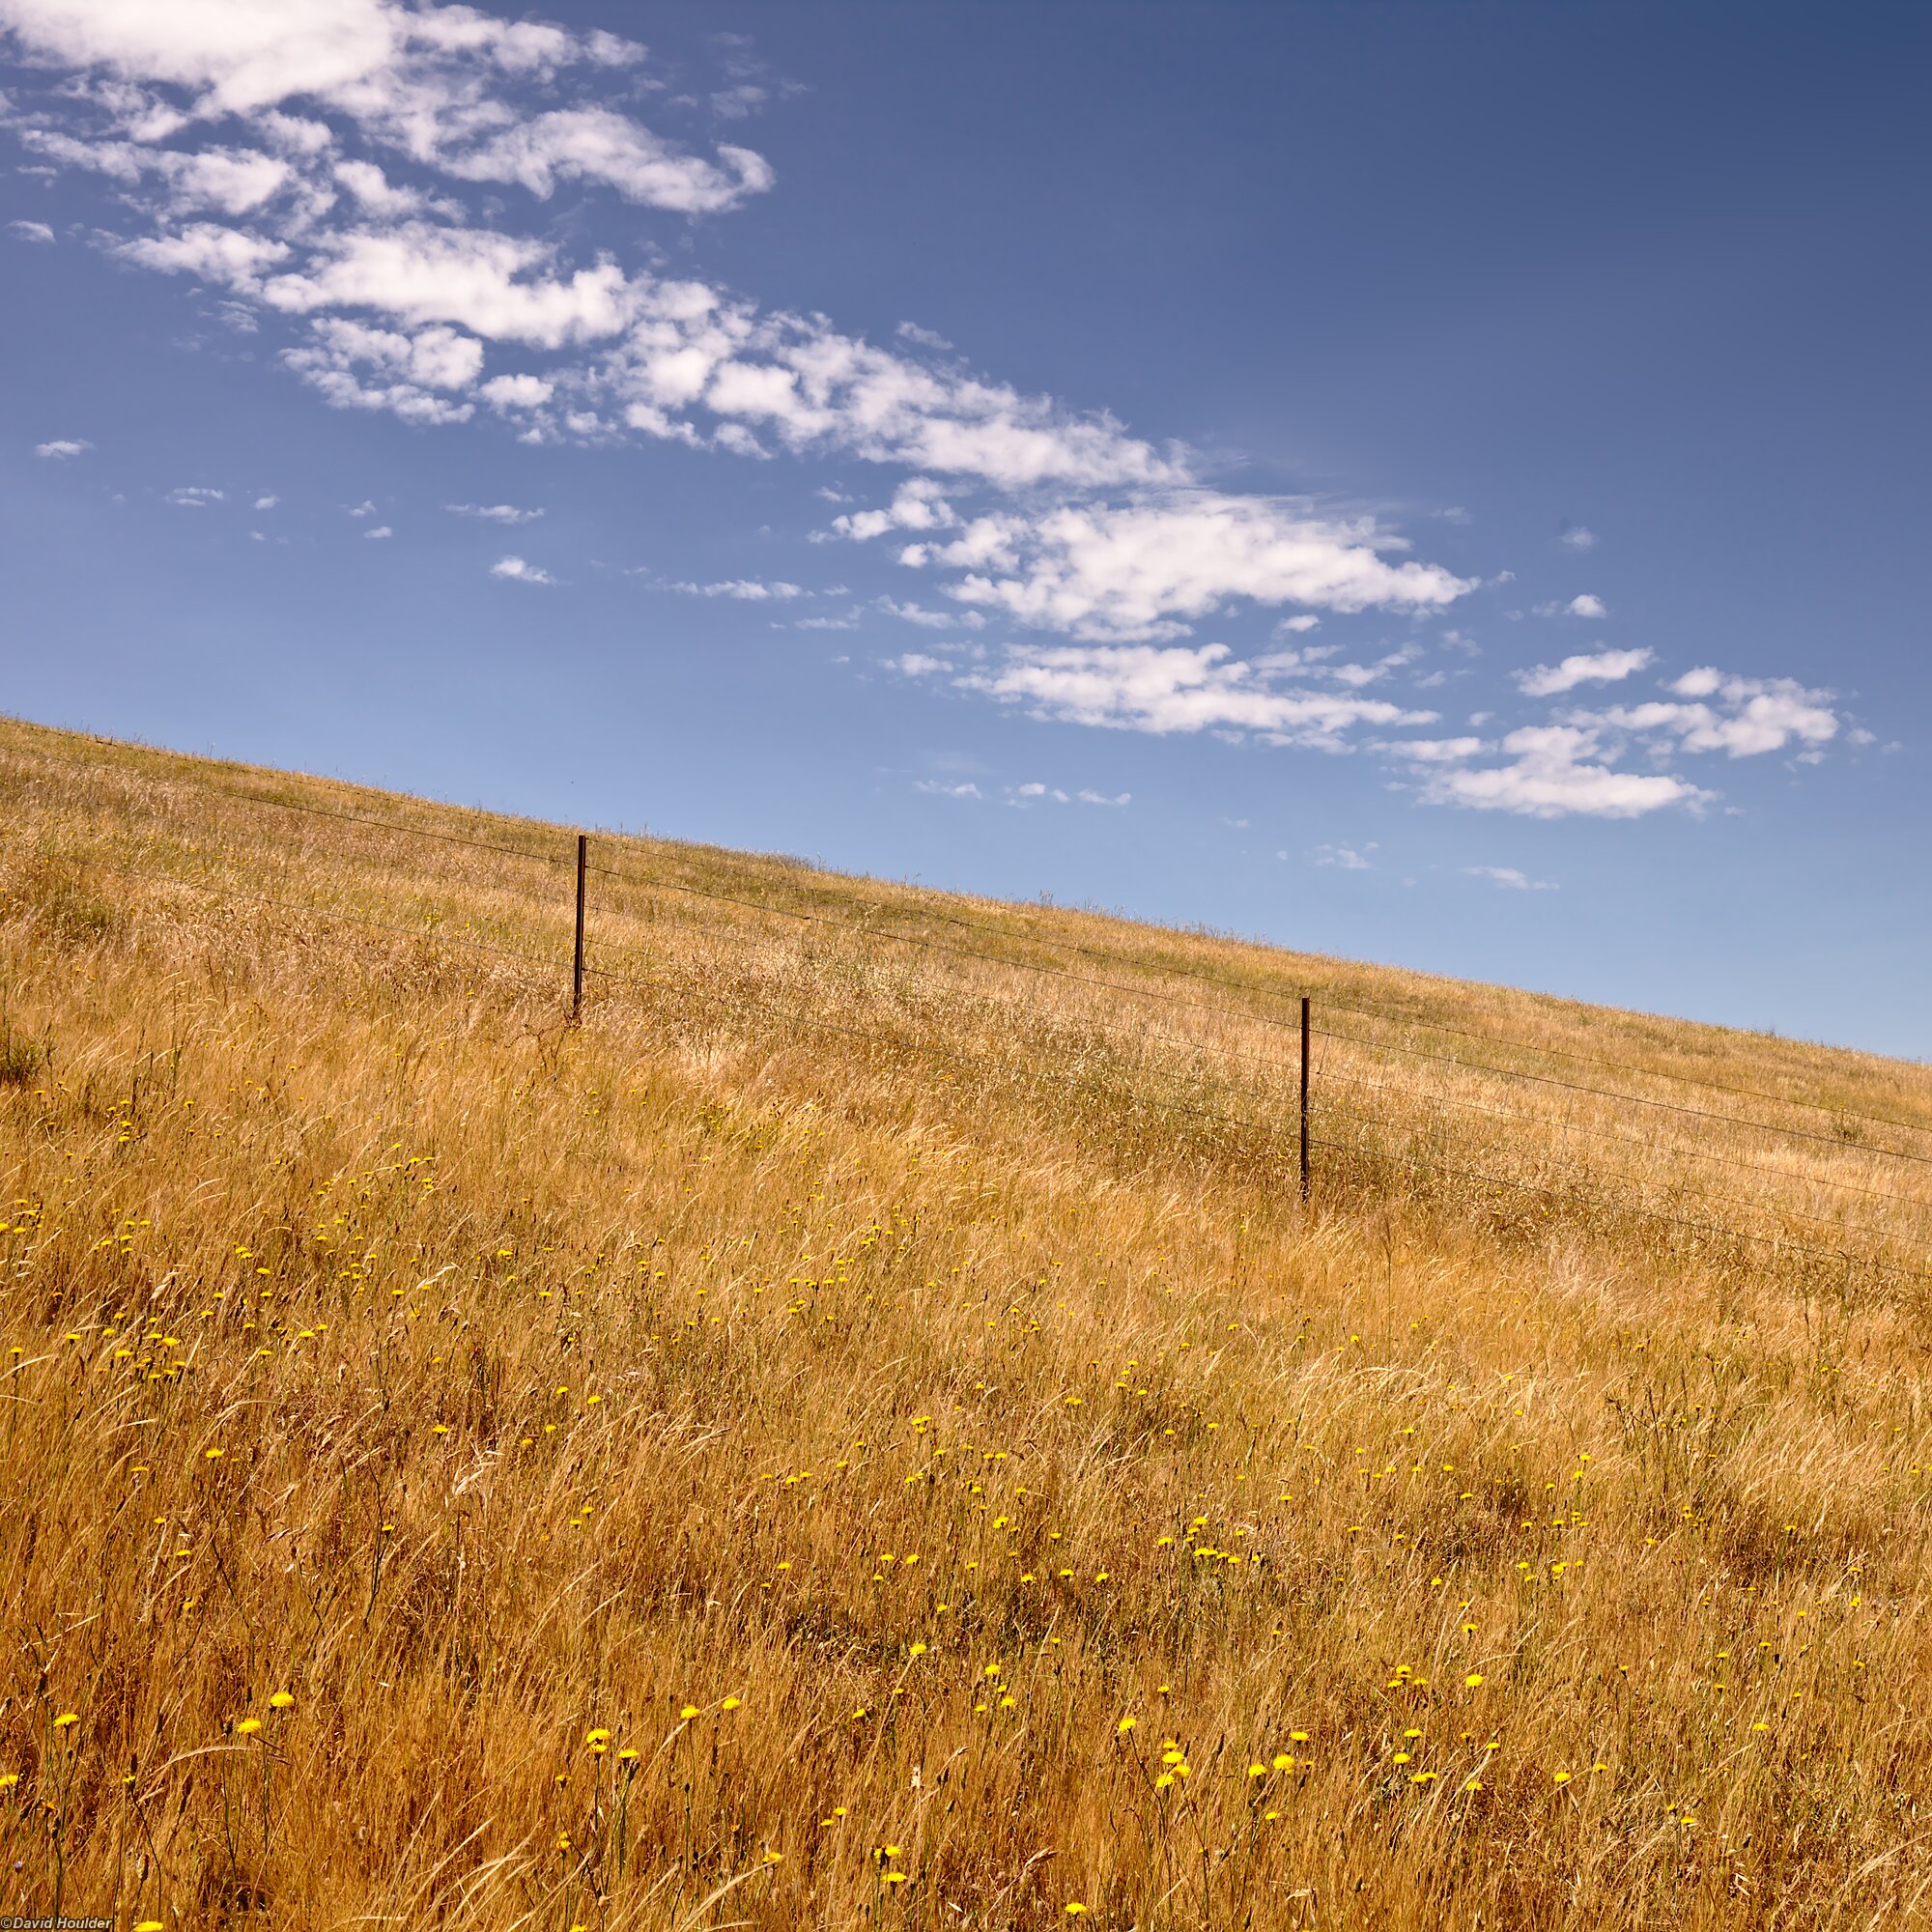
x=1119 y=1096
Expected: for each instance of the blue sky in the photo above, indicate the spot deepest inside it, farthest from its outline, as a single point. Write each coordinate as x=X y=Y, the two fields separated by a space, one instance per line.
x=1436 y=484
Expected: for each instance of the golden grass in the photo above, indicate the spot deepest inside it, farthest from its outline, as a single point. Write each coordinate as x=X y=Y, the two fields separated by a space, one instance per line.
x=863 y=1432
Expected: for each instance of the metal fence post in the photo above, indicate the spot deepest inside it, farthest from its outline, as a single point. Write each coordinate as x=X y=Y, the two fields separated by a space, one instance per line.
x=1304 y=1096
x=576 y=968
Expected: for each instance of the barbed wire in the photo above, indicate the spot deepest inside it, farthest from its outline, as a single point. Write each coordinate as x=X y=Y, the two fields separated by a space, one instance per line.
x=1329 y=1105
x=1113 y=1095
x=1285 y=1069
x=1834 y=1140
x=1268 y=1019
x=1326 y=994
x=1274 y=1131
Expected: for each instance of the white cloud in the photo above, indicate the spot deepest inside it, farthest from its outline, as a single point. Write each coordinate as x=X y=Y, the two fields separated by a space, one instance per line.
x=374 y=190
x=1353 y=676
x=1572 y=766
x=192 y=497
x=1037 y=792
x=517 y=393
x=516 y=571
x=940 y=790
x=926 y=338
x=234 y=56
x=1145 y=568
x=1555 y=771
x=267 y=503
x=800 y=381
x=1175 y=688
x=919 y=504
x=426 y=81
x=1432 y=751
x=357 y=367
x=594 y=144
x=489 y=283
x=915 y=663
x=227 y=257
x=932 y=620
x=1749 y=717
x=1345 y=857
x=1586 y=667
x=494 y=513
x=1576 y=537
x=30 y=231
x=1584 y=604
x=232 y=180
x=380 y=532
x=743 y=589
x=366 y=508
x=63 y=447
x=1508 y=877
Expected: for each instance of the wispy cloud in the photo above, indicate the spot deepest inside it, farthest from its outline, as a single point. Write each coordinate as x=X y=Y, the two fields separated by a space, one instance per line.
x=1174 y=688
x=1037 y=792
x=1509 y=878
x=1742 y=717
x=1574 y=766
x=1555 y=771
x=62 y=449
x=931 y=620
x=192 y=497
x=1586 y=667
x=516 y=571
x=494 y=513
x=1575 y=537
x=743 y=590
x=1345 y=858
x=1150 y=567
x=30 y=231
x=937 y=788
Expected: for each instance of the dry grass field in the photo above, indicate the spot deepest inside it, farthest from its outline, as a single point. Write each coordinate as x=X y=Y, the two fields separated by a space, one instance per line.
x=863 y=1430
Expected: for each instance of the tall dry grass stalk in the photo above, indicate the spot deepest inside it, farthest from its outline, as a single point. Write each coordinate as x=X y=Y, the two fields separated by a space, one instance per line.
x=863 y=1432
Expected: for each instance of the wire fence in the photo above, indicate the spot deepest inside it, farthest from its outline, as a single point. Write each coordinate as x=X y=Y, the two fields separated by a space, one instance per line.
x=1267 y=1098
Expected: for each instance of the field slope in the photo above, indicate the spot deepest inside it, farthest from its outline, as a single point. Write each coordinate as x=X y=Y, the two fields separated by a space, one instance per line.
x=863 y=1430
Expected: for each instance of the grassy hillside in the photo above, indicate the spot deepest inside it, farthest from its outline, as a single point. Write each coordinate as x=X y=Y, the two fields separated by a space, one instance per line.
x=863 y=1430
